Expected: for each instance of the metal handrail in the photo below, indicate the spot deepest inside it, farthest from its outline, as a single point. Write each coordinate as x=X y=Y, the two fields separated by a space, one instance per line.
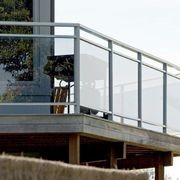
x=48 y=24
x=126 y=46
x=37 y=103
x=36 y=36
x=95 y=33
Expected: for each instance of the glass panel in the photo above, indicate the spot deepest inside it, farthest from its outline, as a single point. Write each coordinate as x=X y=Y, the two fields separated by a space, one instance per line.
x=173 y=105
x=152 y=127
x=93 y=77
x=16 y=58
x=152 y=62
x=173 y=71
x=64 y=51
x=16 y=10
x=152 y=95
x=64 y=30
x=33 y=70
x=129 y=122
x=125 y=74
x=94 y=38
x=64 y=46
x=125 y=51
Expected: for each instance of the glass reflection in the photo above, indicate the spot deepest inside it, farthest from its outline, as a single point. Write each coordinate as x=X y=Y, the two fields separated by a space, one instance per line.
x=16 y=56
x=16 y=10
x=28 y=78
x=125 y=86
x=173 y=104
x=94 y=77
x=152 y=96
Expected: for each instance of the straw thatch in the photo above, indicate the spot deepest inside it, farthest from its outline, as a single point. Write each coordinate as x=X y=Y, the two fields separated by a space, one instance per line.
x=21 y=168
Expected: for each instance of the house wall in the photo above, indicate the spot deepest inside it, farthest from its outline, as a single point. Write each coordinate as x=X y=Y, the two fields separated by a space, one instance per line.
x=38 y=89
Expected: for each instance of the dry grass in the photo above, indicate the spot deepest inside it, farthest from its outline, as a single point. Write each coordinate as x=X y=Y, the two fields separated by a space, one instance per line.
x=21 y=168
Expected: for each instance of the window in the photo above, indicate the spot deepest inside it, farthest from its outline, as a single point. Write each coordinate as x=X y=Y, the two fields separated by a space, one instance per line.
x=16 y=56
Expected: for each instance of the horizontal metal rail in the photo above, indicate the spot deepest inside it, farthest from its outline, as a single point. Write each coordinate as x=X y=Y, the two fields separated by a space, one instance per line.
x=125 y=56
x=153 y=124
x=136 y=119
x=99 y=109
x=94 y=44
x=92 y=32
x=37 y=104
x=126 y=46
x=127 y=117
x=36 y=36
x=46 y=24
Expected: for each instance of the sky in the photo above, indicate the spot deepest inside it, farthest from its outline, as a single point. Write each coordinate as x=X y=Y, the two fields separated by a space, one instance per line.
x=150 y=25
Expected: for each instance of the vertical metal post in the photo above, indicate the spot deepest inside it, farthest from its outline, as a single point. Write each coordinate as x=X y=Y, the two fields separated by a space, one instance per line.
x=139 y=57
x=69 y=96
x=77 y=69
x=110 y=46
x=165 y=98
x=122 y=102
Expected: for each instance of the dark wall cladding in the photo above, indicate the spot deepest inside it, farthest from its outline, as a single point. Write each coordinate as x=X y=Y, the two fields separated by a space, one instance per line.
x=22 y=59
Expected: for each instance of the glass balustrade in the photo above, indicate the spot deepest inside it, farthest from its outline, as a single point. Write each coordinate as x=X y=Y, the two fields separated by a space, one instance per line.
x=59 y=68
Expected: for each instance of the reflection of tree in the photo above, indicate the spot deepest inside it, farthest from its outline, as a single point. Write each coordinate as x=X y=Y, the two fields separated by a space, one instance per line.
x=61 y=67
x=10 y=94
x=16 y=53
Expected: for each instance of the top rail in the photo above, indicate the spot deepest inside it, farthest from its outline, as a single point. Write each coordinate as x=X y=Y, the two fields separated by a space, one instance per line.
x=92 y=32
x=128 y=47
x=48 y=24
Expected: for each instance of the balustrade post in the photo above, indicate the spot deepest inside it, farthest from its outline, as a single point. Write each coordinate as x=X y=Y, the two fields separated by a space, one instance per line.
x=110 y=46
x=139 y=57
x=165 y=98
x=77 y=69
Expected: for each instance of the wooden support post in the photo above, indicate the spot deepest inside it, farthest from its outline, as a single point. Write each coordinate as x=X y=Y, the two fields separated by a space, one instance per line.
x=116 y=151
x=159 y=172
x=74 y=149
x=163 y=159
x=112 y=158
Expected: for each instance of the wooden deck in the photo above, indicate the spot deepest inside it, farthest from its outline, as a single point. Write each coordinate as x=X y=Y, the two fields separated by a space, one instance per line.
x=85 y=139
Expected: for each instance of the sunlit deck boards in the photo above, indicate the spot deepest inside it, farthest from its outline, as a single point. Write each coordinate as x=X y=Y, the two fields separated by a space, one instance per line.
x=89 y=126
